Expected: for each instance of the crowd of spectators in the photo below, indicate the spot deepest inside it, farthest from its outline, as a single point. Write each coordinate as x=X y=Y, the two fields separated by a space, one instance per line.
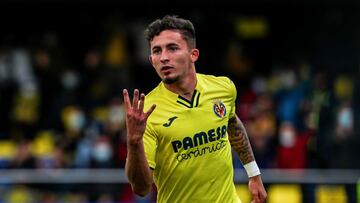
x=63 y=113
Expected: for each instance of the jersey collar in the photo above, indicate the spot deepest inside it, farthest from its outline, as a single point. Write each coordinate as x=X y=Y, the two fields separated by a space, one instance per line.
x=194 y=102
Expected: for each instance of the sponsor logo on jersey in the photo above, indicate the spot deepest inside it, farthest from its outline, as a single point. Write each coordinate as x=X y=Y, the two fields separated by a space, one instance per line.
x=199 y=138
x=194 y=146
x=170 y=121
x=219 y=109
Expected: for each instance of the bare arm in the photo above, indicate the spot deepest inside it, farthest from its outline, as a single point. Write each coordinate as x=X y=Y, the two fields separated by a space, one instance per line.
x=240 y=143
x=136 y=167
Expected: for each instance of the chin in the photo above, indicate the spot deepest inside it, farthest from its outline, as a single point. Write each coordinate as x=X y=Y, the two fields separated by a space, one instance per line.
x=170 y=80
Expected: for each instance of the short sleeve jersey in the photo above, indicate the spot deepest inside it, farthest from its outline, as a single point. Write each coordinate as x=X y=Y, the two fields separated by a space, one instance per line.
x=186 y=142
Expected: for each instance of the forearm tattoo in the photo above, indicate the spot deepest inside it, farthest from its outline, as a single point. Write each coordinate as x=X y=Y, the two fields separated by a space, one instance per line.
x=239 y=140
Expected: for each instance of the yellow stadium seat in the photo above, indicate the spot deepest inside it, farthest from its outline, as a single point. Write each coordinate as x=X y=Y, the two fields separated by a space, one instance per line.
x=287 y=193
x=19 y=194
x=44 y=144
x=330 y=193
x=7 y=149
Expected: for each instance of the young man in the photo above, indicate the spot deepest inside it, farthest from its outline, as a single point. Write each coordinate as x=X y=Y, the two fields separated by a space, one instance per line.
x=185 y=144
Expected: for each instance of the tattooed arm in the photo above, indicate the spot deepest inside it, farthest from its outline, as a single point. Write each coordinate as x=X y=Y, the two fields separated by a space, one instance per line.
x=240 y=143
x=239 y=140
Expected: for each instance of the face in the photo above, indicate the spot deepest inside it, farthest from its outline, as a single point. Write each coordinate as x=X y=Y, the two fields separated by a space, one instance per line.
x=171 y=56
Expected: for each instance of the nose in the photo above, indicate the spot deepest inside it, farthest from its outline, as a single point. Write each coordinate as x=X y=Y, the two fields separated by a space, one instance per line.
x=164 y=57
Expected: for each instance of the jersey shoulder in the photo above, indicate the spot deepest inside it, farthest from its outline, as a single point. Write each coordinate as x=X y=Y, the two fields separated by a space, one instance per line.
x=154 y=93
x=216 y=81
x=154 y=96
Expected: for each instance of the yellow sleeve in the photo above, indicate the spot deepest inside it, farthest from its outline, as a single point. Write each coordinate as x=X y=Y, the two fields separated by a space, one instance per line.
x=150 y=145
x=233 y=94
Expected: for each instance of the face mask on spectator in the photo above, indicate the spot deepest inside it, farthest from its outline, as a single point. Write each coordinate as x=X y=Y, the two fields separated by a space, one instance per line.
x=102 y=152
x=287 y=138
x=345 y=118
x=77 y=120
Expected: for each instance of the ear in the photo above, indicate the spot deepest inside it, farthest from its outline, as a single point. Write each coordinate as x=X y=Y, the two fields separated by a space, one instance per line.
x=151 y=61
x=194 y=55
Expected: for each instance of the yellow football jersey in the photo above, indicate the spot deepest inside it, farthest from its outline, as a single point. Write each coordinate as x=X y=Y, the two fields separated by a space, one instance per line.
x=186 y=142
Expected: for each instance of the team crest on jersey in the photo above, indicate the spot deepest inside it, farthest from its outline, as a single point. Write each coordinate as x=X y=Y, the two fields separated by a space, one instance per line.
x=219 y=108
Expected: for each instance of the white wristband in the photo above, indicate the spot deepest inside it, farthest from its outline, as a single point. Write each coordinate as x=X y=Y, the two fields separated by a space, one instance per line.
x=252 y=169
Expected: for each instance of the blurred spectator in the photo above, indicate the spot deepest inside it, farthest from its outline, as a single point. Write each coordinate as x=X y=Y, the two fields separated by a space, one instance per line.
x=247 y=98
x=319 y=118
x=343 y=88
x=47 y=75
x=343 y=147
x=95 y=86
x=54 y=72
x=24 y=158
x=262 y=130
x=73 y=120
x=74 y=123
x=18 y=91
x=289 y=96
x=102 y=152
x=115 y=128
x=292 y=148
x=117 y=57
x=82 y=154
x=237 y=63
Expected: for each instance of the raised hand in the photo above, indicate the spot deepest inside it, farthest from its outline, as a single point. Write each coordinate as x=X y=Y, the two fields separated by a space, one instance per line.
x=135 y=116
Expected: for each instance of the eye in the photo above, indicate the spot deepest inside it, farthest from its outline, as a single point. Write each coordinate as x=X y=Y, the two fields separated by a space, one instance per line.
x=173 y=48
x=156 y=51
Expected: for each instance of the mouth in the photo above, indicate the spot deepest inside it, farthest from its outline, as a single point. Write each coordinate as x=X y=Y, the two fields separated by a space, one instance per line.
x=166 y=69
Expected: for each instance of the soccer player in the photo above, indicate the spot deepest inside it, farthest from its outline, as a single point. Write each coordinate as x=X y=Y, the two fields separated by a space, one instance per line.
x=184 y=145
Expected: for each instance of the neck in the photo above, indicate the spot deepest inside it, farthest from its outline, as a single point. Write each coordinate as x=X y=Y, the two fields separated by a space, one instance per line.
x=184 y=87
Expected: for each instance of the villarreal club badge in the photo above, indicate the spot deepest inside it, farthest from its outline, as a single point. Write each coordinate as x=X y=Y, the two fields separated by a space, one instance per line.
x=219 y=108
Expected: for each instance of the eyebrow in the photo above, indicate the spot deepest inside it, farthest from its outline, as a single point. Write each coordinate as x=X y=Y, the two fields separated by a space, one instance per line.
x=155 y=47
x=167 y=45
x=171 y=44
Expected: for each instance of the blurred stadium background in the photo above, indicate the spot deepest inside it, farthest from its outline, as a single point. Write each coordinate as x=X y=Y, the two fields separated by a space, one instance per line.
x=63 y=66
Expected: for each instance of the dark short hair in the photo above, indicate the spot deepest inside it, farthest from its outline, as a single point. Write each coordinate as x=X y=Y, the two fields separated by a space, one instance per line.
x=172 y=22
